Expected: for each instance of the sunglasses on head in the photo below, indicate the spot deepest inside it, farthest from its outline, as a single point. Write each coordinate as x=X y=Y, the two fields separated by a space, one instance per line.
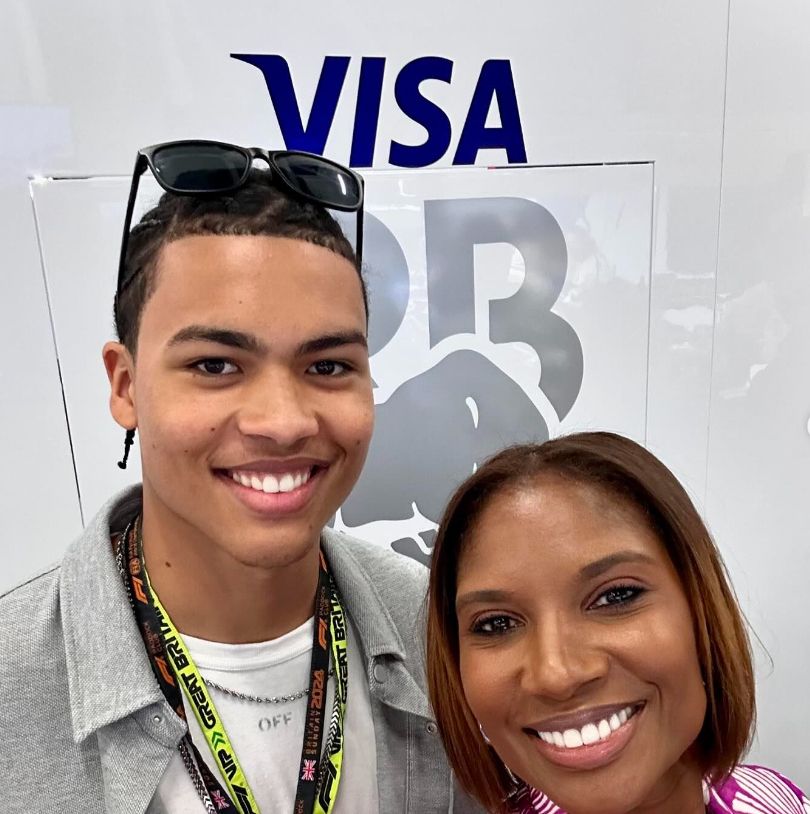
x=200 y=167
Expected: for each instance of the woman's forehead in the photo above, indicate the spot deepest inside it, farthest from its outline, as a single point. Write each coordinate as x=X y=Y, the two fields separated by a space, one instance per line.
x=555 y=519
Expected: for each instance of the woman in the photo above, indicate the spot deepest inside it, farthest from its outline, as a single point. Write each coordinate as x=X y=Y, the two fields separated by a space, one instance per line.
x=585 y=651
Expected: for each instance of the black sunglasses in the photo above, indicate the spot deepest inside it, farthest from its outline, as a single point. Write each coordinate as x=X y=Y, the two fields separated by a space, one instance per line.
x=200 y=167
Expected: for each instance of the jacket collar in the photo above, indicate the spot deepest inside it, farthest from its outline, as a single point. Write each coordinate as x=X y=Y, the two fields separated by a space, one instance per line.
x=109 y=676
x=394 y=652
x=368 y=612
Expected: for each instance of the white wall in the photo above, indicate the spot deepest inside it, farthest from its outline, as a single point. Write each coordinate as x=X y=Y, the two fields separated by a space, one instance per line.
x=758 y=467
x=712 y=96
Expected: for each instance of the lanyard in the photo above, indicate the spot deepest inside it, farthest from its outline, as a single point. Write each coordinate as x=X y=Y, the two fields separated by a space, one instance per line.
x=177 y=675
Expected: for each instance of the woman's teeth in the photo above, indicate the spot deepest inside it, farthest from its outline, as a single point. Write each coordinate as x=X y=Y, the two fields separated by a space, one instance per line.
x=272 y=483
x=590 y=733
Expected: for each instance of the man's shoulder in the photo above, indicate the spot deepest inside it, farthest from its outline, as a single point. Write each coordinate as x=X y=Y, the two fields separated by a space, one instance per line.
x=31 y=636
x=390 y=573
x=30 y=605
x=378 y=557
x=35 y=614
x=30 y=586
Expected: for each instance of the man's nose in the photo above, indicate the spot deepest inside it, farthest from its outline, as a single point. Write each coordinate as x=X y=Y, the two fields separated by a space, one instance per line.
x=561 y=658
x=278 y=406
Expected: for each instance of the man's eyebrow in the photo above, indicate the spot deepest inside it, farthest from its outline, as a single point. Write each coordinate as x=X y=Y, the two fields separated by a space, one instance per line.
x=335 y=340
x=598 y=567
x=487 y=595
x=220 y=336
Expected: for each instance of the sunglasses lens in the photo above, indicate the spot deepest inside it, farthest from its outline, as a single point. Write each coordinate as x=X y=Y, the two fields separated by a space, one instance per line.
x=200 y=167
x=330 y=185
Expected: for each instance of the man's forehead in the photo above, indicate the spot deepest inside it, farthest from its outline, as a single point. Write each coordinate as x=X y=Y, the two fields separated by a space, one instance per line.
x=207 y=279
x=241 y=249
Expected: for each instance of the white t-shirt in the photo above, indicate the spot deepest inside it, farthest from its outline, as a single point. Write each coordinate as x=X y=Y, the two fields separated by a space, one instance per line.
x=267 y=738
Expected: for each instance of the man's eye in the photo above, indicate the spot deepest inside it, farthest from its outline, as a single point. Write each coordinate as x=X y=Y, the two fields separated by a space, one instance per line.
x=328 y=367
x=618 y=596
x=494 y=625
x=215 y=367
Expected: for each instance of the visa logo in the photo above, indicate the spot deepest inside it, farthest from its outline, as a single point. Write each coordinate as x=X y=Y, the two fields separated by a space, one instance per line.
x=495 y=86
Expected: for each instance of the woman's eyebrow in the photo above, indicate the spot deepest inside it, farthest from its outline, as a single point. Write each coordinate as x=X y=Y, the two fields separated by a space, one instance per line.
x=488 y=595
x=598 y=567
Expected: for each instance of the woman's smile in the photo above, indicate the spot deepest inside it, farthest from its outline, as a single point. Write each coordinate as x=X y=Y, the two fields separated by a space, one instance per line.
x=591 y=745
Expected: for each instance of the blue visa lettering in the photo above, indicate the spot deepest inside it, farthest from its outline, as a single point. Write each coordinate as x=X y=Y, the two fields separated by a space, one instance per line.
x=415 y=106
x=495 y=85
x=276 y=72
x=367 y=112
x=495 y=82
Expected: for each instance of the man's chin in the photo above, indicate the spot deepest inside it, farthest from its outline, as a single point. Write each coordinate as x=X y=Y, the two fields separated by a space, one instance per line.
x=285 y=545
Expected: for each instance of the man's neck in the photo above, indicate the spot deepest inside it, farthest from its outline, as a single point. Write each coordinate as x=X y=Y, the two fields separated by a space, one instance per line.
x=210 y=595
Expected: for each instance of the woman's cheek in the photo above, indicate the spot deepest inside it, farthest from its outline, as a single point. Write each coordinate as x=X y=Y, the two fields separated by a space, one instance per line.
x=483 y=682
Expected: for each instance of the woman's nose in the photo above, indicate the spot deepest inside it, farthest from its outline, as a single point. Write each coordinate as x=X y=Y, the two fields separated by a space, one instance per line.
x=560 y=659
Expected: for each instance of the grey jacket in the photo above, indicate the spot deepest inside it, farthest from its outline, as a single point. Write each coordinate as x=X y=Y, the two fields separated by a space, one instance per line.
x=84 y=726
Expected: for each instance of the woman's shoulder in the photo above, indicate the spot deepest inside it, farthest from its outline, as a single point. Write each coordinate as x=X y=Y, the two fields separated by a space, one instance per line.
x=748 y=788
x=527 y=800
x=757 y=788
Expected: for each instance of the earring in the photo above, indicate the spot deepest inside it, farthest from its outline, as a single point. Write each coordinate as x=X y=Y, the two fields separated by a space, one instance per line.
x=129 y=440
x=488 y=742
x=515 y=781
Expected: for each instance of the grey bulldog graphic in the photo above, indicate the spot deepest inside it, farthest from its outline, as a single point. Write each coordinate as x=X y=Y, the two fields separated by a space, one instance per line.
x=435 y=428
x=429 y=437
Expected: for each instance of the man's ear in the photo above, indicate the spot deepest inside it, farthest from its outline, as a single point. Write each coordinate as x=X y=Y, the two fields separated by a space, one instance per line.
x=120 y=369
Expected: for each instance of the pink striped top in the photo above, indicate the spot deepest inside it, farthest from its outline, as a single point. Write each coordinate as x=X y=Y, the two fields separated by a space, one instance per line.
x=748 y=790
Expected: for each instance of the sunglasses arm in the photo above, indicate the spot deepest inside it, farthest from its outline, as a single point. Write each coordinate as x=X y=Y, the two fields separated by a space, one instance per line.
x=140 y=168
x=358 y=248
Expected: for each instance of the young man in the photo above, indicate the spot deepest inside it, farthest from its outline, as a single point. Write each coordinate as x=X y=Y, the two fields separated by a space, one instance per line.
x=206 y=644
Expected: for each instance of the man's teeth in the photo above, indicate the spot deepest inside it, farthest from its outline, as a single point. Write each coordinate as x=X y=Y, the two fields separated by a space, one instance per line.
x=590 y=733
x=272 y=483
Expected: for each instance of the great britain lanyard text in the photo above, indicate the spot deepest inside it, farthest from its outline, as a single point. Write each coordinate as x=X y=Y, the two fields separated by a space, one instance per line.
x=174 y=668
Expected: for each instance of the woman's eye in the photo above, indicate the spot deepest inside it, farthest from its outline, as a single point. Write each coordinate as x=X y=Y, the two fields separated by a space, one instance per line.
x=494 y=625
x=618 y=596
x=328 y=367
x=215 y=367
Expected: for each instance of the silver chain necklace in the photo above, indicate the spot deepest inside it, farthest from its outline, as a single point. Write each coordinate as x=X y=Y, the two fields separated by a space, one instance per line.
x=262 y=699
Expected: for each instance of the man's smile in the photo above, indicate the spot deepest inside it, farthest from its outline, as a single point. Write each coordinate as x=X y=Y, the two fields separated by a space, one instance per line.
x=274 y=476
x=272 y=483
x=274 y=488
x=273 y=496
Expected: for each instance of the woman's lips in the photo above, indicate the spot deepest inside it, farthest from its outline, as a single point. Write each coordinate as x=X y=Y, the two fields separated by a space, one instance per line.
x=588 y=755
